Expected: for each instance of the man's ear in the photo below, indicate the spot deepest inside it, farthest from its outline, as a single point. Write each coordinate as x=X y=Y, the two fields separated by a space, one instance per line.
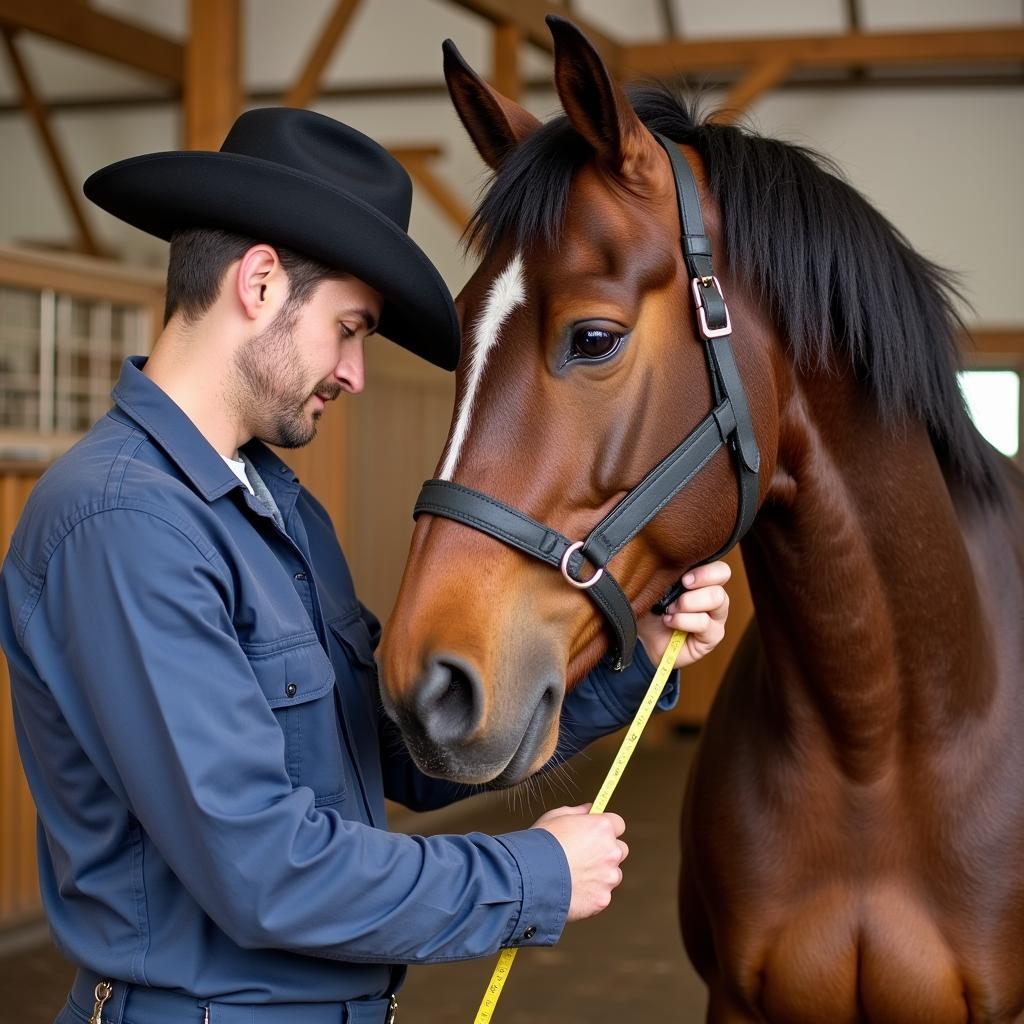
x=598 y=108
x=260 y=281
x=495 y=123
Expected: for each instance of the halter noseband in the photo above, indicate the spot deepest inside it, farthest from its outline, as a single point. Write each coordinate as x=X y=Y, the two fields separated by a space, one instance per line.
x=728 y=423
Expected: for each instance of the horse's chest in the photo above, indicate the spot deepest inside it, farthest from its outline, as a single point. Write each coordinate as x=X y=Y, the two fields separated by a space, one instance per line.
x=819 y=917
x=851 y=956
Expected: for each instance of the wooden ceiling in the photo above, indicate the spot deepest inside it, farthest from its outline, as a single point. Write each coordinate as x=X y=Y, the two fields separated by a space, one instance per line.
x=203 y=72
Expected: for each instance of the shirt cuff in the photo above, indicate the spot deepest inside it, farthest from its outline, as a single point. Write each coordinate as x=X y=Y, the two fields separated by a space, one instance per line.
x=670 y=695
x=547 y=887
x=623 y=691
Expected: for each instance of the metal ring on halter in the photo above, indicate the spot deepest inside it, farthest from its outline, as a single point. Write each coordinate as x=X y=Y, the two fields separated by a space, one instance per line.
x=578 y=584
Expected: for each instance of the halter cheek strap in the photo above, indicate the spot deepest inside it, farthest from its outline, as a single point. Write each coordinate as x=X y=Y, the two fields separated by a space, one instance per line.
x=728 y=424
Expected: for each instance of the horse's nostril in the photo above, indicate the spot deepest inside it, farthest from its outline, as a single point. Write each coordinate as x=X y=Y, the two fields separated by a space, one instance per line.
x=448 y=700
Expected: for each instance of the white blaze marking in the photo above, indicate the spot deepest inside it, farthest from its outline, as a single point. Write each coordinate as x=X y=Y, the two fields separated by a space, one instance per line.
x=507 y=292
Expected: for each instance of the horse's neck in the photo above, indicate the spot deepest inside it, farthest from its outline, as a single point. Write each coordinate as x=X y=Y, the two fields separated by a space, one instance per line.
x=863 y=586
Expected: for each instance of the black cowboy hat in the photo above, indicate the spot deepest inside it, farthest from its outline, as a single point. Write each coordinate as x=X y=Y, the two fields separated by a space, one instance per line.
x=311 y=184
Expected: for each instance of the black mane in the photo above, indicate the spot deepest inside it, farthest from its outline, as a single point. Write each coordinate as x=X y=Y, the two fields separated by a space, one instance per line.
x=838 y=278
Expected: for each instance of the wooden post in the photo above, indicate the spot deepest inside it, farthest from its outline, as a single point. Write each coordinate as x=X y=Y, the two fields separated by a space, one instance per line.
x=213 y=80
x=506 y=77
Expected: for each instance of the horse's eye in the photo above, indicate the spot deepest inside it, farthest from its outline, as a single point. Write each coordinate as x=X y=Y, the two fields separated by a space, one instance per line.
x=594 y=343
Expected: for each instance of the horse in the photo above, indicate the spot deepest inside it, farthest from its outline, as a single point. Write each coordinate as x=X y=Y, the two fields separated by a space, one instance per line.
x=853 y=824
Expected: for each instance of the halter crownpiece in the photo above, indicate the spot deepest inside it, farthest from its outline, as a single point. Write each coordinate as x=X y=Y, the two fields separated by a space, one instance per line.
x=728 y=424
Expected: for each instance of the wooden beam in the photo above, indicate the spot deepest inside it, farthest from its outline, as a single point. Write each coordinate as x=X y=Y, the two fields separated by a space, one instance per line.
x=995 y=341
x=399 y=89
x=420 y=153
x=86 y=28
x=40 y=119
x=307 y=86
x=213 y=81
x=529 y=16
x=757 y=81
x=506 y=77
x=970 y=46
x=83 y=276
x=414 y=160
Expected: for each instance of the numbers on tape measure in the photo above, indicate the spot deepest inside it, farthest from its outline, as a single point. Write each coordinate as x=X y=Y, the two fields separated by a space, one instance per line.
x=497 y=982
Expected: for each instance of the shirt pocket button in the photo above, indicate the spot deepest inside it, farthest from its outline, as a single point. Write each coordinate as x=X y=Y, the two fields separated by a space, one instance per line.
x=291 y=689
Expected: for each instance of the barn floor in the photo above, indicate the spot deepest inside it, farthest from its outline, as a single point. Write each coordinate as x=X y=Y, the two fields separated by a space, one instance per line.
x=625 y=964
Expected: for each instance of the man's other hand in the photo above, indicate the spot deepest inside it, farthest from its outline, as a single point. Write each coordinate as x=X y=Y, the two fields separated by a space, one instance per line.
x=595 y=852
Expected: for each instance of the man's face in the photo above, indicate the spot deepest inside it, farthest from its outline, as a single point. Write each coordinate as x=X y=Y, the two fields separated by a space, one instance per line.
x=284 y=377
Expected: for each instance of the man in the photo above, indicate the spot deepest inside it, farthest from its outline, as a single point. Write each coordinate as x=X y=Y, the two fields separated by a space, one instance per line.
x=193 y=678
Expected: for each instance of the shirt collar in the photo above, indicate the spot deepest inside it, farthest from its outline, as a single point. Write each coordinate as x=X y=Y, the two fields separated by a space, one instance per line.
x=164 y=420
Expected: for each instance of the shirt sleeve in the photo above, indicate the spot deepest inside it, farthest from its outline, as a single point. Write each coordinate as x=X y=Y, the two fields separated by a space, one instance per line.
x=606 y=700
x=176 y=723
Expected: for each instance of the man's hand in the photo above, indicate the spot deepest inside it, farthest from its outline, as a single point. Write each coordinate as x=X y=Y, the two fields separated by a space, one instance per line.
x=594 y=851
x=700 y=611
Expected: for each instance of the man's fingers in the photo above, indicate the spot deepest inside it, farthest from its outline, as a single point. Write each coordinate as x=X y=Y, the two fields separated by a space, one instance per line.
x=575 y=809
x=561 y=812
x=623 y=850
x=706 y=599
x=694 y=623
x=618 y=825
x=713 y=573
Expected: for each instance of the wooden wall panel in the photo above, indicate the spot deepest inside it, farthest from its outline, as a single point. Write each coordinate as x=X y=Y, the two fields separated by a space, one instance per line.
x=323 y=465
x=19 y=887
x=398 y=429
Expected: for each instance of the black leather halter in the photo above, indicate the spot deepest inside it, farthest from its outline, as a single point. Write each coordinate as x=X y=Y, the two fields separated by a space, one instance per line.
x=727 y=424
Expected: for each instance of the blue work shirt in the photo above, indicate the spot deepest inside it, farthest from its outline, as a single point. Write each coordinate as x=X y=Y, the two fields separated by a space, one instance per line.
x=196 y=705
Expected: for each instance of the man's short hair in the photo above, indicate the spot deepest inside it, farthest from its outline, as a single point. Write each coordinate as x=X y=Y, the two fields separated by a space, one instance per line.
x=199 y=258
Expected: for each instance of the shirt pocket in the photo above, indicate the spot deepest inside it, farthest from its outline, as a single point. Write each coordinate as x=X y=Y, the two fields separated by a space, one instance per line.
x=358 y=689
x=355 y=638
x=297 y=679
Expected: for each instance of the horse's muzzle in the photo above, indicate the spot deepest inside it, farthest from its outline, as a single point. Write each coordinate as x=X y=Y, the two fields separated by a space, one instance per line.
x=445 y=720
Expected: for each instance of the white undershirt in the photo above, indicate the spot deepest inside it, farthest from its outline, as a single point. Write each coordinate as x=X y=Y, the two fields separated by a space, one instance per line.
x=237 y=467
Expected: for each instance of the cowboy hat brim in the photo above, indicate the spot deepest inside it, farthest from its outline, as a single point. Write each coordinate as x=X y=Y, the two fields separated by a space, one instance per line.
x=161 y=193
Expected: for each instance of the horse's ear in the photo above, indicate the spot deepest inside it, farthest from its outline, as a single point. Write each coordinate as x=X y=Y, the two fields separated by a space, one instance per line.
x=495 y=123
x=595 y=103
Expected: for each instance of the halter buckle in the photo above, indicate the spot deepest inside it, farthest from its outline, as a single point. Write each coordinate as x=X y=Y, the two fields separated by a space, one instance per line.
x=578 y=584
x=698 y=300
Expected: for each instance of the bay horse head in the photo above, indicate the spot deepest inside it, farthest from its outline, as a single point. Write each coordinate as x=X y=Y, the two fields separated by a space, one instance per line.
x=583 y=367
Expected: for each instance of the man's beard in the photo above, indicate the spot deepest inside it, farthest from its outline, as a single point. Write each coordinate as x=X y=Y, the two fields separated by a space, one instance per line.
x=269 y=386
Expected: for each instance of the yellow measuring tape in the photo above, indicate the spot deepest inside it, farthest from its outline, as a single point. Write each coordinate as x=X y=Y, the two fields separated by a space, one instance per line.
x=604 y=794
